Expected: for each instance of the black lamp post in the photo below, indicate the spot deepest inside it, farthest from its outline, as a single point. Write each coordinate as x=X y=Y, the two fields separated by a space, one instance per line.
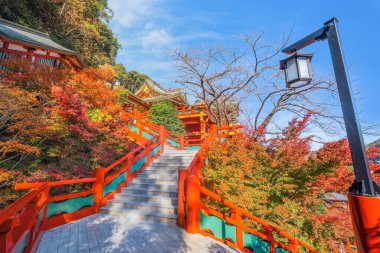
x=362 y=199
x=297 y=73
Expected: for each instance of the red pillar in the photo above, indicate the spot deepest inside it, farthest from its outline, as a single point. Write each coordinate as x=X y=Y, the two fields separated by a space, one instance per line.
x=182 y=174
x=193 y=204
x=236 y=215
x=98 y=187
x=365 y=217
x=181 y=142
x=162 y=138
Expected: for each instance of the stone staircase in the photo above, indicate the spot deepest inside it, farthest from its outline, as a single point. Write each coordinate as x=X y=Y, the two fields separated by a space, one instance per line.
x=153 y=194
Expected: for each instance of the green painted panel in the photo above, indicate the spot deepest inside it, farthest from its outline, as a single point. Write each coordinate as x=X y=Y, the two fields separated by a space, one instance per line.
x=221 y=230
x=155 y=151
x=218 y=227
x=40 y=216
x=255 y=243
x=192 y=148
x=147 y=136
x=70 y=205
x=172 y=142
x=114 y=184
x=137 y=165
x=134 y=129
x=281 y=250
x=22 y=243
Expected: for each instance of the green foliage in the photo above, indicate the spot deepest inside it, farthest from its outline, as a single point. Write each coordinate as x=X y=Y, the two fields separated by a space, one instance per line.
x=164 y=113
x=96 y=115
x=81 y=26
x=122 y=96
x=130 y=80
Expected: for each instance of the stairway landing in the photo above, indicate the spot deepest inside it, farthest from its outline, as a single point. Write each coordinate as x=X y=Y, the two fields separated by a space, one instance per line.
x=105 y=233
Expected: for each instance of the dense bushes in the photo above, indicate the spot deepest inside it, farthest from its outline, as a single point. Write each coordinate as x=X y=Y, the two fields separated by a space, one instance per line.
x=57 y=124
x=164 y=113
x=281 y=180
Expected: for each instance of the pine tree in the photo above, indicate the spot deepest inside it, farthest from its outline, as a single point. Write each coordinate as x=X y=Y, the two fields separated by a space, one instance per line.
x=164 y=113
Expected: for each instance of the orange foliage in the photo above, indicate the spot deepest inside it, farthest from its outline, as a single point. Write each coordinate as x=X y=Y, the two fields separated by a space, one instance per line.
x=281 y=180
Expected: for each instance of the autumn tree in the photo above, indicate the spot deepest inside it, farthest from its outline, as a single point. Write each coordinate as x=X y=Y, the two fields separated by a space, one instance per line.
x=130 y=80
x=57 y=124
x=246 y=79
x=281 y=180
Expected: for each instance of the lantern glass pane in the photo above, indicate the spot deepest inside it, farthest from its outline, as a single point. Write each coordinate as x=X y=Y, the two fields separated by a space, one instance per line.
x=303 y=64
x=291 y=70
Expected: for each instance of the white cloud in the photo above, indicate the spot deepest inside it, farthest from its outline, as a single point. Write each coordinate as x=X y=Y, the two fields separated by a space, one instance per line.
x=147 y=28
x=156 y=38
x=128 y=13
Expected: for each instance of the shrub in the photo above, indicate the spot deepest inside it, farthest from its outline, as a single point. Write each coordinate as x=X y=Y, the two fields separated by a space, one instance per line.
x=164 y=113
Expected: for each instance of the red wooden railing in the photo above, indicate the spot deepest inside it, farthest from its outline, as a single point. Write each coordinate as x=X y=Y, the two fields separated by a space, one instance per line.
x=143 y=124
x=190 y=194
x=21 y=223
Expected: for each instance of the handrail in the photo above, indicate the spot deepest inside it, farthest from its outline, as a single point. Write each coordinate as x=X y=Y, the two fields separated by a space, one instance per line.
x=245 y=213
x=40 y=211
x=143 y=122
x=16 y=206
x=189 y=196
x=25 y=186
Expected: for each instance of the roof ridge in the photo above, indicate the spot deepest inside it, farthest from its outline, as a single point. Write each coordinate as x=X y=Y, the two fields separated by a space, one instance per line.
x=24 y=28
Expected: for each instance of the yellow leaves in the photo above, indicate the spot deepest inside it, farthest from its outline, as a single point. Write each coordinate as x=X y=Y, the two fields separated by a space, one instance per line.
x=5 y=176
x=14 y=146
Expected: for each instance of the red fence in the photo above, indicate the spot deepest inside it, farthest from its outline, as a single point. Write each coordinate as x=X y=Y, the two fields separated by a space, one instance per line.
x=190 y=208
x=21 y=223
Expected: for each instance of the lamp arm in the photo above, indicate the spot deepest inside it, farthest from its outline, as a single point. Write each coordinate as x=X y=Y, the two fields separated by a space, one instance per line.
x=320 y=34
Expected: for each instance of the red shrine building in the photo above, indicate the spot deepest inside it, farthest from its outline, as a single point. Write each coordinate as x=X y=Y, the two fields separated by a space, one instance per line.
x=18 y=40
x=196 y=118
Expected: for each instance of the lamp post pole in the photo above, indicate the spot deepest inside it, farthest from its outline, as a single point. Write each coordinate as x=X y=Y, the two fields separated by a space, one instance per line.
x=364 y=205
x=354 y=134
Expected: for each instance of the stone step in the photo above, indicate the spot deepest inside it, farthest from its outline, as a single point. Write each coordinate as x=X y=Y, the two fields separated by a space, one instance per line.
x=169 y=164
x=139 y=215
x=177 y=155
x=168 y=169
x=158 y=175
x=160 y=180
x=151 y=199
x=150 y=192
x=177 y=152
x=173 y=160
x=143 y=206
x=153 y=186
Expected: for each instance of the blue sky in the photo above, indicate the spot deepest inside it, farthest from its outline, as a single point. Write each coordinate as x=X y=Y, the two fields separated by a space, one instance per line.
x=148 y=29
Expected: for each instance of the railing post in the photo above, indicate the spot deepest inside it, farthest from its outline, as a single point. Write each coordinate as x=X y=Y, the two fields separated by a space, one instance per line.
x=31 y=211
x=182 y=174
x=98 y=187
x=181 y=142
x=272 y=246
x=128 y=177
x=236 y=215
x=294 y=246
x=148 y=156
x=5 y=228
x=141 y=130
x=162 y=138
x=193 y=204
